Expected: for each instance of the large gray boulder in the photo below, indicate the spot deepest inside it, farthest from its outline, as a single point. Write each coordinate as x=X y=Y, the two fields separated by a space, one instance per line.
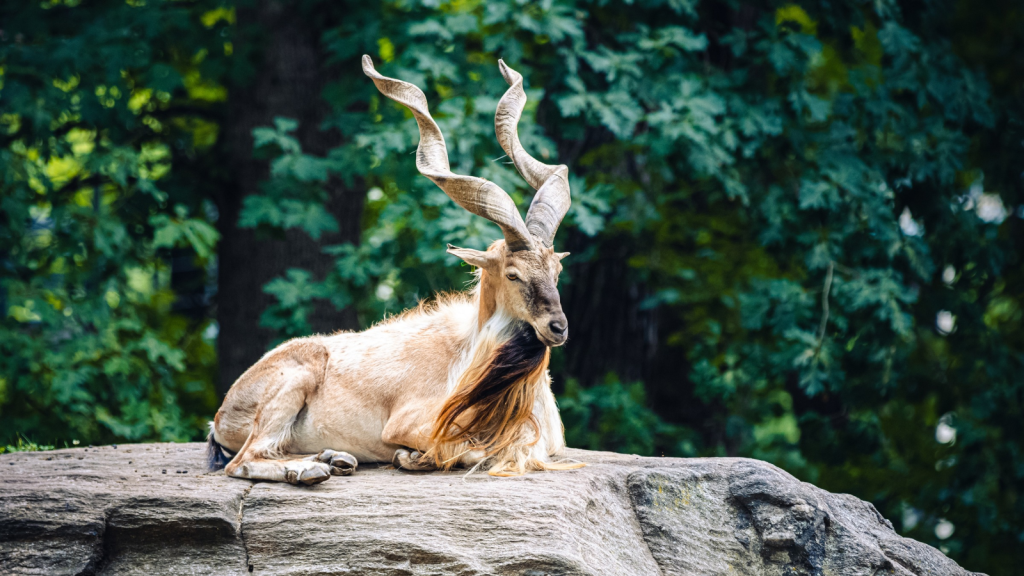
x=153 y=509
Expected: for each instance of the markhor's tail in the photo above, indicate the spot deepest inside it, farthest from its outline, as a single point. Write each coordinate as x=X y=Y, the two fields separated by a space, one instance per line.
x=217 y=456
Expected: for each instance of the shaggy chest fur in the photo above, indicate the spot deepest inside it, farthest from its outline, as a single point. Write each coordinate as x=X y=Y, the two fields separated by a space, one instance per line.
x=493 y=401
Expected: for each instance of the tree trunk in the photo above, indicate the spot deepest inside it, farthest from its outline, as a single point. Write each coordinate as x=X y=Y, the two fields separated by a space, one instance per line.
x=609 y=331
x=288 y=82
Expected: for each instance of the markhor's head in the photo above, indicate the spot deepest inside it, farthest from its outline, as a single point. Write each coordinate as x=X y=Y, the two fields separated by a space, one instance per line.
x=523 y=269
x=525 y=286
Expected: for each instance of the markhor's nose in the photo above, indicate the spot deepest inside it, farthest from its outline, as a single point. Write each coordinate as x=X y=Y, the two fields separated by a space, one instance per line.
x=557 y=326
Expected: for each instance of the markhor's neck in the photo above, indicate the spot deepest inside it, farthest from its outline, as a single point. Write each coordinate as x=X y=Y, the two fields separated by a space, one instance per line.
x=487 y=306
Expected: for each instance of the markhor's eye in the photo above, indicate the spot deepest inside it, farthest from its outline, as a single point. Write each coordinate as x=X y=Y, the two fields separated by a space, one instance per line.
x=512 y=277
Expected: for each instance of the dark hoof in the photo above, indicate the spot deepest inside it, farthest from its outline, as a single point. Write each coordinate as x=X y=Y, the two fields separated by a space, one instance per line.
x=308 y=477
x=411 y=460
x=341 y=463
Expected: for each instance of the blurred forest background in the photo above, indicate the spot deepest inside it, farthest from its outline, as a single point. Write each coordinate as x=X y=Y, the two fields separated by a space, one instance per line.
x=797 y=228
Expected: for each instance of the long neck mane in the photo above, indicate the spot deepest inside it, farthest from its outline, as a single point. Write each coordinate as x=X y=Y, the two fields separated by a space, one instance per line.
x=493 y=399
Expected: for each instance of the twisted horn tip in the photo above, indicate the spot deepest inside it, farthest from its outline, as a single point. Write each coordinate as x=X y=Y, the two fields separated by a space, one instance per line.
x=368 y=68
x=510 y=75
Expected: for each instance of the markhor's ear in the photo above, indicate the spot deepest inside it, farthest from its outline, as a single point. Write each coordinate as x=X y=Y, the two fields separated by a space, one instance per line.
x=561 y=255
x=473 y=257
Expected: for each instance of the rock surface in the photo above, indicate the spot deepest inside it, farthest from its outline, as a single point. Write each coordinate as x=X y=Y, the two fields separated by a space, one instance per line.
x=152 y=509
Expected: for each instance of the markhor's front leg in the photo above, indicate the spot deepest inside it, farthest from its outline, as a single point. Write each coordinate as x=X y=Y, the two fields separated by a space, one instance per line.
x=410 y=426
x=412 y=460
x=407 y=459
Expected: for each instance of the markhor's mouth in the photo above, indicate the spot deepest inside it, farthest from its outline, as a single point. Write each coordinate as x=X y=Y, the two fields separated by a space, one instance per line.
x=553 y=342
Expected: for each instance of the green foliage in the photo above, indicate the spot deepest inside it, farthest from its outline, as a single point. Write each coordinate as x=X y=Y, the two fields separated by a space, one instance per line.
x=93 y=198
x=24 y=445
x=291 y=197
x=614 y=416
x=295 y=295
x=821 y=202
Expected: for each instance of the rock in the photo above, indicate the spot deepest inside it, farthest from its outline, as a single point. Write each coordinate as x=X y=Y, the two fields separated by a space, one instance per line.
x=113 y=511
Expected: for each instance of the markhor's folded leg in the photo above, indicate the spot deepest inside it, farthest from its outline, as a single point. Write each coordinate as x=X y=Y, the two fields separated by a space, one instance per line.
x=293 y=375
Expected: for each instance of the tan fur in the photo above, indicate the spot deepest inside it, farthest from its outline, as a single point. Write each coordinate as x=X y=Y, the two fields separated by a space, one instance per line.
x=382 y=393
